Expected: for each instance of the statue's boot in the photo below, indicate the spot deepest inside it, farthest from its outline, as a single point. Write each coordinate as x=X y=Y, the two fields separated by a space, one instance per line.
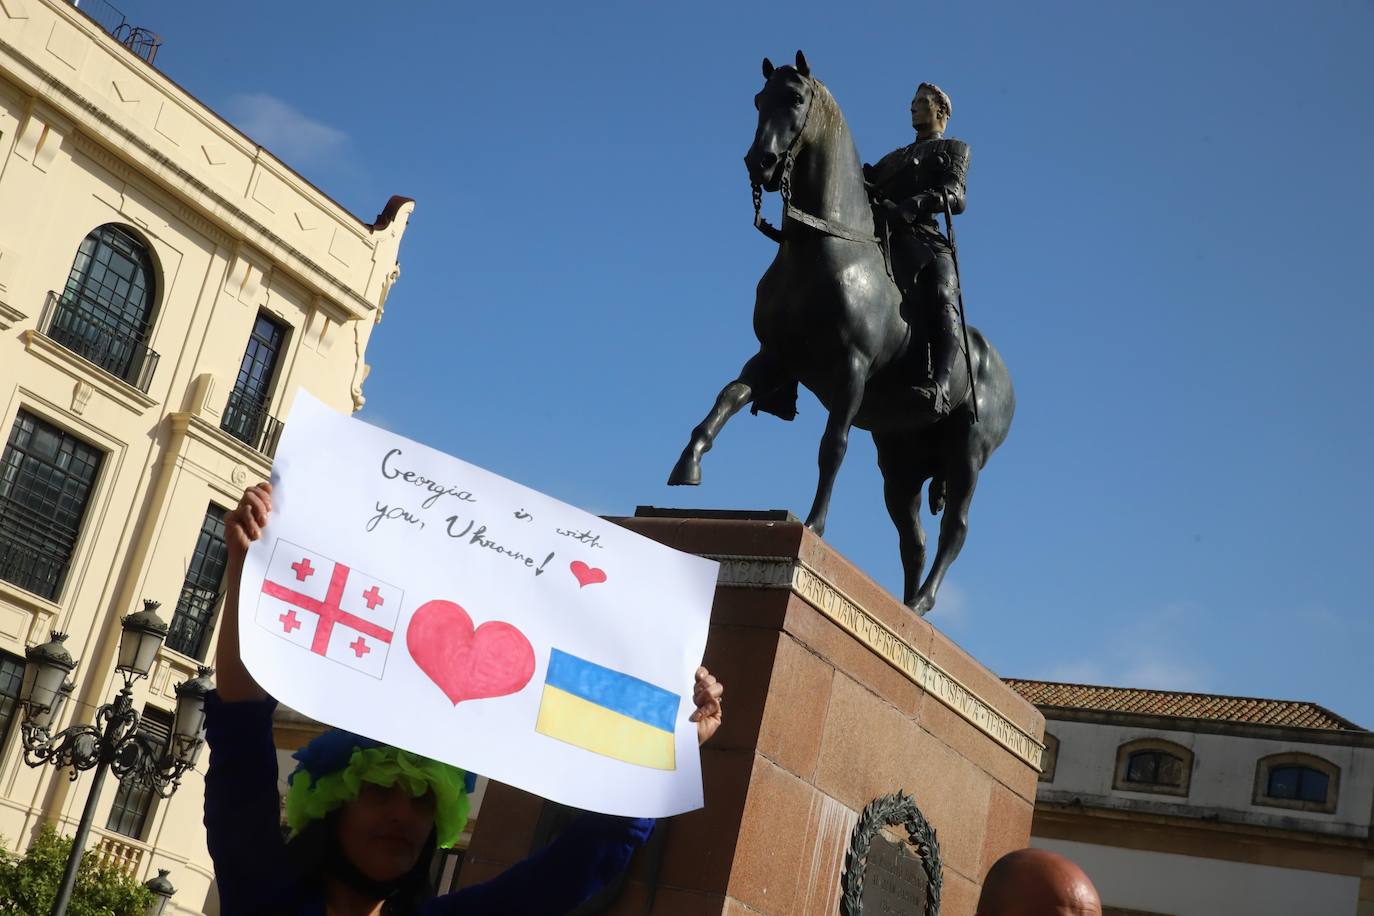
x=944 y=350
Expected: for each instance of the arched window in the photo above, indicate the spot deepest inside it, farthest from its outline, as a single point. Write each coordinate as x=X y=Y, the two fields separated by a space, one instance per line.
x=1299 y=781
x=105 y=310
x=1152 y=765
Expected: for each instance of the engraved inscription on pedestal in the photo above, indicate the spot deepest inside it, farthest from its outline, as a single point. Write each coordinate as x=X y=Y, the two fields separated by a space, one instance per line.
x=883 y=877
x=815 y=590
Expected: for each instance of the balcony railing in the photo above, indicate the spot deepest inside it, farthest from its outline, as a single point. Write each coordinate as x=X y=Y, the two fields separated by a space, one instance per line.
x=119 y=852
x=141 y=41
x=247 y=420
x=32 y=569
x=84 y=328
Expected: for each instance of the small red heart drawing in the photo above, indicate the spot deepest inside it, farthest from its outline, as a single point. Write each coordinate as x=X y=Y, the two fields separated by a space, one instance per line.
x=492 y=661
x=587 y=575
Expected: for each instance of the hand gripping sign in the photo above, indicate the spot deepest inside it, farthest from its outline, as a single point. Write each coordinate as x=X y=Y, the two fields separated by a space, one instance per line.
x=413 y=598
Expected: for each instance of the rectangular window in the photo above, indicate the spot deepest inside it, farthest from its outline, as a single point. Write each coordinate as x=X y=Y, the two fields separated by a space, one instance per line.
x=46 y=477
x=245 y=416
x=200 y=591
x=11 y=677
x=134 y=801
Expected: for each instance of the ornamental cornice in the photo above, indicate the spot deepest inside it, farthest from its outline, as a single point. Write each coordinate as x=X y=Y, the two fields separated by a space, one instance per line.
x=103 y=129
x=9 y=316
x=796 y=576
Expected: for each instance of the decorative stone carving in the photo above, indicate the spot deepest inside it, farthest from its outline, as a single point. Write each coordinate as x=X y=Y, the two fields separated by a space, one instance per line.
x=387 y=282
x=81 y=396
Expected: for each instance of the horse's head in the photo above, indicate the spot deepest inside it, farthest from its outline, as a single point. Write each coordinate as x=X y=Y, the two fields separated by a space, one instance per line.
x=784 y=105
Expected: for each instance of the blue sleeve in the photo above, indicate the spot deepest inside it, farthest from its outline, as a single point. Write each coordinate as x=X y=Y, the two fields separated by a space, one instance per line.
x=590 y=854
x=242 y=806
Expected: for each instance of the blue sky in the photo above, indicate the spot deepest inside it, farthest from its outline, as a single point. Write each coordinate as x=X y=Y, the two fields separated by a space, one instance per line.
x=1168 y=237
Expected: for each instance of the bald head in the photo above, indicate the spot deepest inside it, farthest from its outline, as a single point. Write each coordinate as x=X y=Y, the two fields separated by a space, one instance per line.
x=1037 y=882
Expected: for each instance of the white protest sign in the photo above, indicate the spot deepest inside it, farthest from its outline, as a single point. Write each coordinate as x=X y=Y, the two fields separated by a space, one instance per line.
x=408 y=596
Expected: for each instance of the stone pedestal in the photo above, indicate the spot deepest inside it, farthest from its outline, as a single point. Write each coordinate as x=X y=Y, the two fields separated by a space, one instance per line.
x=836 y=694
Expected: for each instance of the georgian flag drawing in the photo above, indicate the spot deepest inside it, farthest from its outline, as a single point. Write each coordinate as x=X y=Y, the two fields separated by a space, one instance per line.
x=325 y=607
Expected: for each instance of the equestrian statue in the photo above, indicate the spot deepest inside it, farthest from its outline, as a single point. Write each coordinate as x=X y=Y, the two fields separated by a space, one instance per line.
x=862 y=306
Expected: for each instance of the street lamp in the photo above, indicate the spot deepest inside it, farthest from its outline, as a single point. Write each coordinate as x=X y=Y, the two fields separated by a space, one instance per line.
x=113 y=742
x=45 y=675
x=162 y=893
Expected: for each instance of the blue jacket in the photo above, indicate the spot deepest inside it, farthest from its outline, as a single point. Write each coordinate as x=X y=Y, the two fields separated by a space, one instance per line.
x=244 y=835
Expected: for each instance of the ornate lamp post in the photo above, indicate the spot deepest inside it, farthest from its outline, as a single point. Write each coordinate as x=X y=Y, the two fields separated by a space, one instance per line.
x=113 y=742
x=162 y=893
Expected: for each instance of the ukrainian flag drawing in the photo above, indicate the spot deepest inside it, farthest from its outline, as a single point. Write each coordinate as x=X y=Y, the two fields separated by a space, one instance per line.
x=608 y=713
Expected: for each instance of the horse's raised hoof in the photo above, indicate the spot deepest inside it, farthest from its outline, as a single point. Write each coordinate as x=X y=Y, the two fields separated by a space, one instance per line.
x=817 y=528
x=686 y=473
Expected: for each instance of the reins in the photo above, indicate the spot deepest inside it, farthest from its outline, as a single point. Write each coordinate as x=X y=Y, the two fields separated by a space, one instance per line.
x=820 y=224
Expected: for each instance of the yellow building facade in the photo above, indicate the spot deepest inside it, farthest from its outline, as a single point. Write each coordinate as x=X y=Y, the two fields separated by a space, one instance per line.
x=166 y=287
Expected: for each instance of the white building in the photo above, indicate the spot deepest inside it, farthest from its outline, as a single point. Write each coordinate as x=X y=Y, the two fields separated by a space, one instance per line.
x=167 y=286
x=1186 y=804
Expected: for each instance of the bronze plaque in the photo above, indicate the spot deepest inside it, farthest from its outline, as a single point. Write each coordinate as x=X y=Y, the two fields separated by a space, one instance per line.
x=895 y=881
x=883 y=878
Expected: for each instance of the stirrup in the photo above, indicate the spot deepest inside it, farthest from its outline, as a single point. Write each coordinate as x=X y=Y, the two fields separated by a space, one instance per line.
x=938 y=396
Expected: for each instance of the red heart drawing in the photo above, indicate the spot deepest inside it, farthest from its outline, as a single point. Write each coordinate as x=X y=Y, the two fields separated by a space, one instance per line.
x=587 y=575
x=492 y=661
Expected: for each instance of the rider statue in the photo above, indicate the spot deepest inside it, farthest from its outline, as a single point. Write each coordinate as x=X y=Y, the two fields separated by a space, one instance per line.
x=910 y=187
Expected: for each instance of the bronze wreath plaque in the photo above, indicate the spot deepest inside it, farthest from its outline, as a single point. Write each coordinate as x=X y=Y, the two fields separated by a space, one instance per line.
x=882 y=877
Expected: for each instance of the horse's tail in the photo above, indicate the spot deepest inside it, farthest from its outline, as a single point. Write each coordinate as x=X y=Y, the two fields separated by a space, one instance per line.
x=936 y=495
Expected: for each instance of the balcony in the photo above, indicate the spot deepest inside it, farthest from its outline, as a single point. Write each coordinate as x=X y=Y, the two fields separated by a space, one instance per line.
x=121 y=852
x=142 y=42
x=247 y=420
x=84 y=328
x=31 y=568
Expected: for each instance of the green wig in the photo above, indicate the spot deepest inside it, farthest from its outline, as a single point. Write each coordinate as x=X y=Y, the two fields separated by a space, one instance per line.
x=334 y=766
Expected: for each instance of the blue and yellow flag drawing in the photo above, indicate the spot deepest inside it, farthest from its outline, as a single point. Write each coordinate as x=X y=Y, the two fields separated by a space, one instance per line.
x=608 y=713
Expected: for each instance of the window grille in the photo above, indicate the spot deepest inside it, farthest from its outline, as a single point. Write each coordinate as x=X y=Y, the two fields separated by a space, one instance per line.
x=11 y=677
x=46 y=476
x=245 y=416
x=104 y=312
x=134 y=800
x=200 y=590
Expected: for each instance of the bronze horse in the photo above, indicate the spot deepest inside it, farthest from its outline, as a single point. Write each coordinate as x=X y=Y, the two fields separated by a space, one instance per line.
x=827 y=316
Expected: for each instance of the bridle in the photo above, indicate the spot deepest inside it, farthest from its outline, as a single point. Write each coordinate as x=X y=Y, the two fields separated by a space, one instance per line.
x=820 y=224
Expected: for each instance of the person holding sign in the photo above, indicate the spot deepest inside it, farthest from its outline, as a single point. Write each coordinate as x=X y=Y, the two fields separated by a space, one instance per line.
x=365 y=817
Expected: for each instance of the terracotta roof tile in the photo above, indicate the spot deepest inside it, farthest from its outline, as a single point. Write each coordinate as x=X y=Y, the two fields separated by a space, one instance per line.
x=1250 y=710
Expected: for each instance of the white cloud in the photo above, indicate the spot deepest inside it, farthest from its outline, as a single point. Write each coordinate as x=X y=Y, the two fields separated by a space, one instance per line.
x=288 y=134
x=1161 y=673
x=951 y=605
x=1154 y=651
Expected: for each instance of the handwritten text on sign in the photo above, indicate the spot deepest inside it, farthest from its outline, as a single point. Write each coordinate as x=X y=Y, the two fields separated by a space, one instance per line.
x=414 y=598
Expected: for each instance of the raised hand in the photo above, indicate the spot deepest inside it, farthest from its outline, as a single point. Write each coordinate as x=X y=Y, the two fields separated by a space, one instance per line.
x=244 y=524
x=242 y=527
x=706 y=694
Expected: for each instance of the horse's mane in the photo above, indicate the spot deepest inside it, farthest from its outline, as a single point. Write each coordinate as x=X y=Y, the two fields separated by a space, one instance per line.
x=827 y=128
x=825 y=111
